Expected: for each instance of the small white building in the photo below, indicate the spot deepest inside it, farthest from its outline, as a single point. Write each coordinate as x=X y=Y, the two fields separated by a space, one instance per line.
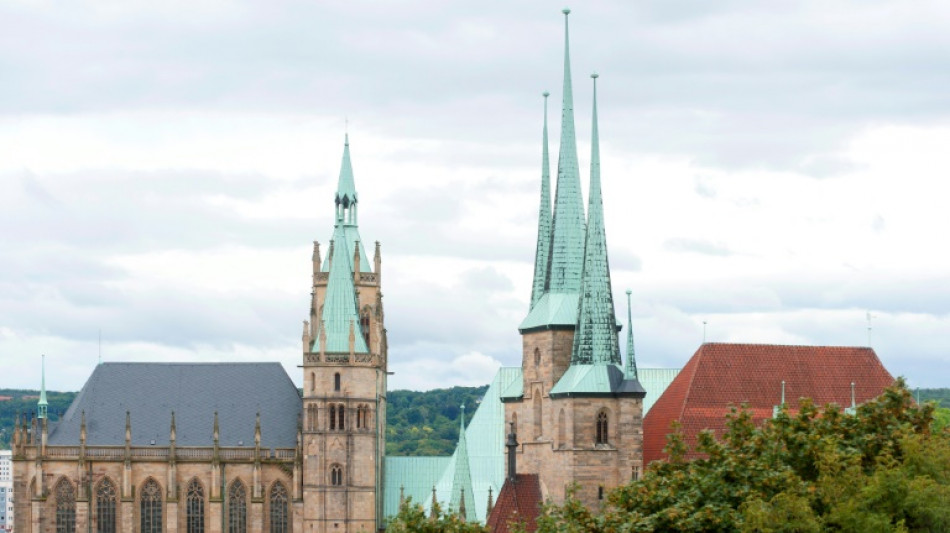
x=6 y=490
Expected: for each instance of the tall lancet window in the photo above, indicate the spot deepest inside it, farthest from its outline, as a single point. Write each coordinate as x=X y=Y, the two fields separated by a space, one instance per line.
x=105 y=507
x=65 y=507
x=602 y=428
x=195 y=508
x=279 y=511
x=237 y=508
x=150 y=507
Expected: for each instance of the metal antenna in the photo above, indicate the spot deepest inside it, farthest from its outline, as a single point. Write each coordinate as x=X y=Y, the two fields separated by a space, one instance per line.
x=704 y=332
x=869 y=317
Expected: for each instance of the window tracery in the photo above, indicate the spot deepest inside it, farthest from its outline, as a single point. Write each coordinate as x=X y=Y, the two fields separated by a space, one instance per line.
x=195 y=508
x=65 y=507
x=150 y=507
x=278 y=509
x=237 y=508
x=105 y=507
x=336 y=475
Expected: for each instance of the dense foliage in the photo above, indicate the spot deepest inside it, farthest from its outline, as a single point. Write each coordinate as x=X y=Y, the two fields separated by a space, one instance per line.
x=883 y=469
x=23 y=402
x=427 y=423
x=413 y=518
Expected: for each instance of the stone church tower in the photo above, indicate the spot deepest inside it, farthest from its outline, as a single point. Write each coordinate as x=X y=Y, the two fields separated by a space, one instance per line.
x=344 y=366
x=579 y=413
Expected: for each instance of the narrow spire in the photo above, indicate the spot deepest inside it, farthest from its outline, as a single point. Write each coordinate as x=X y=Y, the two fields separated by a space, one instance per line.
x=543 y=249
x=257 y=431
x=631 y=370
x=595 y=338
x=82 y=428
x=462 y=506
x=340 y=307
x=346 y=187
x=462 y=478
x=491 y=503
x=42 y=405
x=567 y=239
x=215 y=432
x=435 y=503
x=173 y=430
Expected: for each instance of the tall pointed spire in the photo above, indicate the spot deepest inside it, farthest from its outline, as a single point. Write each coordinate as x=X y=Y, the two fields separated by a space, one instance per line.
x=345 y=230
x=42 y=405
x=462 y=479
x=340 y=307
x=630 y=372
x=346 y=187
x=567 y=240
x=595 y=339
x=542 y=252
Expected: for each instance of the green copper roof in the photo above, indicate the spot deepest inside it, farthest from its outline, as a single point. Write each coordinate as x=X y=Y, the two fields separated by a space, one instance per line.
x=553 y=309
x=542 y=252
x=655 y=381
x=595 y=338
x=462 y=477
x=630 y=371
x=415 y=477
x=346 y=188
x=567 y=239
x=339 y=317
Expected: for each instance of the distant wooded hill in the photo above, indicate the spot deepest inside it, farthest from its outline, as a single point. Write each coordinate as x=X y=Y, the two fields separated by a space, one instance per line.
x=419 y=423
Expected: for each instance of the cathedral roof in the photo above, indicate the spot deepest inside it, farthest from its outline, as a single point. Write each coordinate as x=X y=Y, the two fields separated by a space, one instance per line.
x=346 y=187
x=346 y=231
x=519 y=502
x=719 y=375
x=150 y=392
x=542 y=251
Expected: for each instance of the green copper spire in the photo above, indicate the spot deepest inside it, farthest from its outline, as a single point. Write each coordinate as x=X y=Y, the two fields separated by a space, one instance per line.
x=346 y=188
x=462 y=480
x=42 y=405
x=346 y=232
x=630 y=372
x=542 y=253
x=567 y=240
x=341 y=321
x=595 y=338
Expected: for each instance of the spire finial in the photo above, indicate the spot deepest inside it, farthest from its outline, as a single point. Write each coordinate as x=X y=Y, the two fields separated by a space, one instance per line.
x=631 y=370
x=41 y=406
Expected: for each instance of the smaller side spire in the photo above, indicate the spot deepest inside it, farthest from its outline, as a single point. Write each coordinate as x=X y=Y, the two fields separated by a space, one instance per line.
x=42 y=404
x=631 y=370
x=542 y=255
x=346 y=187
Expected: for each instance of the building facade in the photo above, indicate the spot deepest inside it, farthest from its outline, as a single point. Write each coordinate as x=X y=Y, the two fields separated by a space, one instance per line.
x=6 y=490
x=229 y=447
x=578 y=412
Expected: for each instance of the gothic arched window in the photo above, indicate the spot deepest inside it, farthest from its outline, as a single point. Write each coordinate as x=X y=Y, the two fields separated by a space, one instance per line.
x=336 y=475
x=538 y=423
x=602 y=428
x=195 y=508
x=336 y=382
x=279 y=511
x=150 y=508
x=65 y=507
x=537 y=357
x=237 y=508
x=364 y=324
x=340 y=417
x=105 y=507
x=561 y=430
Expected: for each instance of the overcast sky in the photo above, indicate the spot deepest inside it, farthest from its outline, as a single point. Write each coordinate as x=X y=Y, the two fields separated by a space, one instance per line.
x=776 y=169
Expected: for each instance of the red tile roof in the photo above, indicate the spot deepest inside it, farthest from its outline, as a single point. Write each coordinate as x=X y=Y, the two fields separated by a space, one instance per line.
x=719 y=375
x=518 y=501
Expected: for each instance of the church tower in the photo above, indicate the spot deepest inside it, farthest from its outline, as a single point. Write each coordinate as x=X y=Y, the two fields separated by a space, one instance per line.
x=578 y=414
x=344 y=365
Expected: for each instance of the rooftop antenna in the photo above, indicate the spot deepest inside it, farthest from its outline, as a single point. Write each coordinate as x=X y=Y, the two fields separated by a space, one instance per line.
x=869 y=317
x=704 y=332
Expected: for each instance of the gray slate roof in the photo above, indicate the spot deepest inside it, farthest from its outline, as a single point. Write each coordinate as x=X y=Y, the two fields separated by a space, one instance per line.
x=194 y=391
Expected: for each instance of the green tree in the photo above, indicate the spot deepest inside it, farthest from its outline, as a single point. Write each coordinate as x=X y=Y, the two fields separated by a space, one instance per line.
x=412 y=518
x=884 y=468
